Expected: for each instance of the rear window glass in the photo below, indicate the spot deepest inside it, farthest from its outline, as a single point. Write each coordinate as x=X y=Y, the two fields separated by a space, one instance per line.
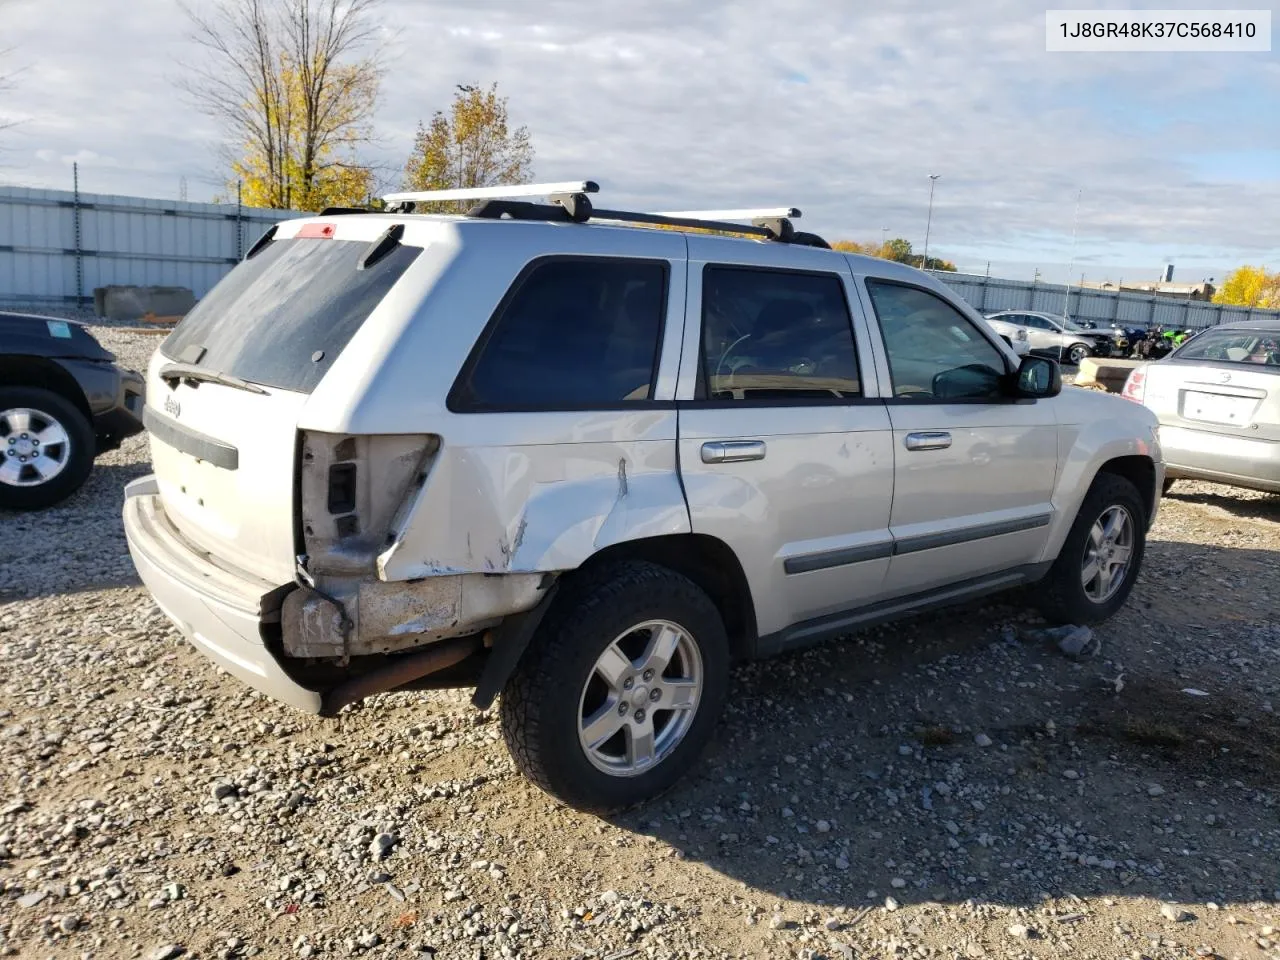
x=1260 y=347
x=571 y=334
x=282 y=317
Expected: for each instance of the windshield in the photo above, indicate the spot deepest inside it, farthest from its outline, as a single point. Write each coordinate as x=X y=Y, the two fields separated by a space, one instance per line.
x=1261 y=347
x=282 y=317
x=1073 y=325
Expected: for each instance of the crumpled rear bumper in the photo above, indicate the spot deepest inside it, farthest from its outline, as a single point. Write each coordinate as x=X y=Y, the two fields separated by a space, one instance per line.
x=221 y=613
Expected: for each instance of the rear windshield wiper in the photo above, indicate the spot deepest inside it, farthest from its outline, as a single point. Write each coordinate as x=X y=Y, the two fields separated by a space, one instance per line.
x=189 y=371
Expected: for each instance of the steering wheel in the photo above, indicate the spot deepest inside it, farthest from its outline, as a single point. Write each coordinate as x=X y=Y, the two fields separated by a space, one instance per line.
x=724 y=356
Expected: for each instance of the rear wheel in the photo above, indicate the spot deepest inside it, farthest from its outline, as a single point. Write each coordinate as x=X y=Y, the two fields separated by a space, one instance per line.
x=1101 y=557
x=46 y=448
x=620 y=688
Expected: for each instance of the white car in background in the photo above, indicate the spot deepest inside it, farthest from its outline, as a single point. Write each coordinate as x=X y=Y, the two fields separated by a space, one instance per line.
x=1218 y=400
x=1051 y=334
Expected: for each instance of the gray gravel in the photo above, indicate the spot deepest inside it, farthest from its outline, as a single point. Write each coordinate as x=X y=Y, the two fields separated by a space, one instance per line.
x=953 y=786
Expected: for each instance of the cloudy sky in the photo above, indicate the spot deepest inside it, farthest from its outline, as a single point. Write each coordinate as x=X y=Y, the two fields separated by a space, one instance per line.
x=841 y=107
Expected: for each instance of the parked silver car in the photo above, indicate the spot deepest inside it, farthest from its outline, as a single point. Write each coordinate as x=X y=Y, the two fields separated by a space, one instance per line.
x=1053 y=335
x=587 y=465
x=1218 y=400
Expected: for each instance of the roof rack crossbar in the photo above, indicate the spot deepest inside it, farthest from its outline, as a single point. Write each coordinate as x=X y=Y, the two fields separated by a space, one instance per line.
x=495 y=193
x=569 y=203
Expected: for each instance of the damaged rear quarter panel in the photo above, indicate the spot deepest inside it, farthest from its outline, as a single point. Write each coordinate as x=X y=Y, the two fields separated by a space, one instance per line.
x=540 y=493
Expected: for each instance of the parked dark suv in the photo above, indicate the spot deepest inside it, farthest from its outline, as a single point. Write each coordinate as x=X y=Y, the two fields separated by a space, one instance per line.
x=63 y=401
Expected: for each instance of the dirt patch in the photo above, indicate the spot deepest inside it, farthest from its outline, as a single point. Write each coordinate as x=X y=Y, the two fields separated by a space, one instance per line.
x=1211 y=737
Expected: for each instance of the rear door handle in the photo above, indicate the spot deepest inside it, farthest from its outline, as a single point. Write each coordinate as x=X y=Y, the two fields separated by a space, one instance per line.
x=732 y=451
x=928 y=441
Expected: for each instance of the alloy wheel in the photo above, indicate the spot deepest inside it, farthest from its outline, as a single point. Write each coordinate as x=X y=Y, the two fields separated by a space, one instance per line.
x=640 y=698
x=34 y=447
x=1107 y=554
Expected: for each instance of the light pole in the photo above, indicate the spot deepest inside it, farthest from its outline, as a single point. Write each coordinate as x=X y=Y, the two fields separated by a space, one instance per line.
x=884 y=240
x=1075 y=220
x=924 y=262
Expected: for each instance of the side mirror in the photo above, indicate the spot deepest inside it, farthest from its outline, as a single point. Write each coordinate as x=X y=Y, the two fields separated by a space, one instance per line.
x=1038 y=378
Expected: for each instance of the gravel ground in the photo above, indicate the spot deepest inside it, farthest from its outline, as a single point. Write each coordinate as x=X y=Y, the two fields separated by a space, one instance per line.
x=948 y=787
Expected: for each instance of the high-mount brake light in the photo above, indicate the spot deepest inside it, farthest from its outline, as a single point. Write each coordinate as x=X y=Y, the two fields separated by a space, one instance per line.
x=317 y=231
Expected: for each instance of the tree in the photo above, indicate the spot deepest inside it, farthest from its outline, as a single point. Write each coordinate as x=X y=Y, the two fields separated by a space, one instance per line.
x=472 y=146
x=853 y=246
x=1250 y=286
x=293 y=84
x=896 y=249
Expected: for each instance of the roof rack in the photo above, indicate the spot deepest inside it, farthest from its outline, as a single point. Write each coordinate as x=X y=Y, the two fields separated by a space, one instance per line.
x=569 y=203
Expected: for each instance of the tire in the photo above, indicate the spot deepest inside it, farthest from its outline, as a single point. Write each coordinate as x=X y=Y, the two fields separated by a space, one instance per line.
x=556 y=685
x=26 y=412
x=1077 y=352
x=1063 y=596
x=1168 y=485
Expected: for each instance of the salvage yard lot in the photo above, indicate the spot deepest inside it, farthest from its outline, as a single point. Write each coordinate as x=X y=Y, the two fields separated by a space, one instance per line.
x=944 y=787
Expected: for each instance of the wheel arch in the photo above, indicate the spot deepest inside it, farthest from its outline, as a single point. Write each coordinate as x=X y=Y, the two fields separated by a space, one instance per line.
x=710 y=563
x=1141 y=472
x=20 y=370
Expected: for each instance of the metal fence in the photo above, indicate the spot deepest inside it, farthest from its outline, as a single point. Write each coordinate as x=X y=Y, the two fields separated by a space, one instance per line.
x=56 y=246
x=989 y=294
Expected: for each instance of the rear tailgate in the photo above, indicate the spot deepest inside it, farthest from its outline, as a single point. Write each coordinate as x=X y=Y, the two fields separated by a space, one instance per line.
x=226 y=389
x=224 y=464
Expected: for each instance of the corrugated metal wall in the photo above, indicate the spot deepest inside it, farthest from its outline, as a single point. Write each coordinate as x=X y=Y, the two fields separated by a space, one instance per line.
x=988 y=294
x=57 y=246
x=44 y=258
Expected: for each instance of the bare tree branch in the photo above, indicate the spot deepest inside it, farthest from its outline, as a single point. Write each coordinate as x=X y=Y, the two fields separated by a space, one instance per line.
x=293 y=84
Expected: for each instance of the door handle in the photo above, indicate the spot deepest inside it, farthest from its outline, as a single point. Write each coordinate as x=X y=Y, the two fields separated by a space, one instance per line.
x=928 y=441
x=732 y=451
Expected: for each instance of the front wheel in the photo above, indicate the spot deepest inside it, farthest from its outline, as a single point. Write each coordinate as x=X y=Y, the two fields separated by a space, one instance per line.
x=1101 y=557
x=1076 y=353
x=46 y=448
x=620 y=689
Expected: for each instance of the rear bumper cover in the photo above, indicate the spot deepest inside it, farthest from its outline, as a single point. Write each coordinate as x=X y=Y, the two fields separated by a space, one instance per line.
x=220 y=612
x=1222 y=458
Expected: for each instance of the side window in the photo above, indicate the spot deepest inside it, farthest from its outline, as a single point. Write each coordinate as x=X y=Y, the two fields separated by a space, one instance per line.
x=1038 y=323
x=934 y=352
x=776 y=335
x=571 y=333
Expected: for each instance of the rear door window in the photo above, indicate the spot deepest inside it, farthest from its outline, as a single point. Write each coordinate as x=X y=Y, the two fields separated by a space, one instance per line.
x=776 y=335
x=573 y=333
x=282 y=317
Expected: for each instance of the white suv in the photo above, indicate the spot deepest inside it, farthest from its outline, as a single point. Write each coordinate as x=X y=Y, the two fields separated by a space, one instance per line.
x=540 y=451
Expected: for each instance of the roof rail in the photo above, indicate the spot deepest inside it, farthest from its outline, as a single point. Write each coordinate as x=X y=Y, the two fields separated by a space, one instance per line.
x=763 y=213
x=570 y=204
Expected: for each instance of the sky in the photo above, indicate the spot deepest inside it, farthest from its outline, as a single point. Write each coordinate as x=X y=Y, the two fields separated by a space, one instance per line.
x=843 y=108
